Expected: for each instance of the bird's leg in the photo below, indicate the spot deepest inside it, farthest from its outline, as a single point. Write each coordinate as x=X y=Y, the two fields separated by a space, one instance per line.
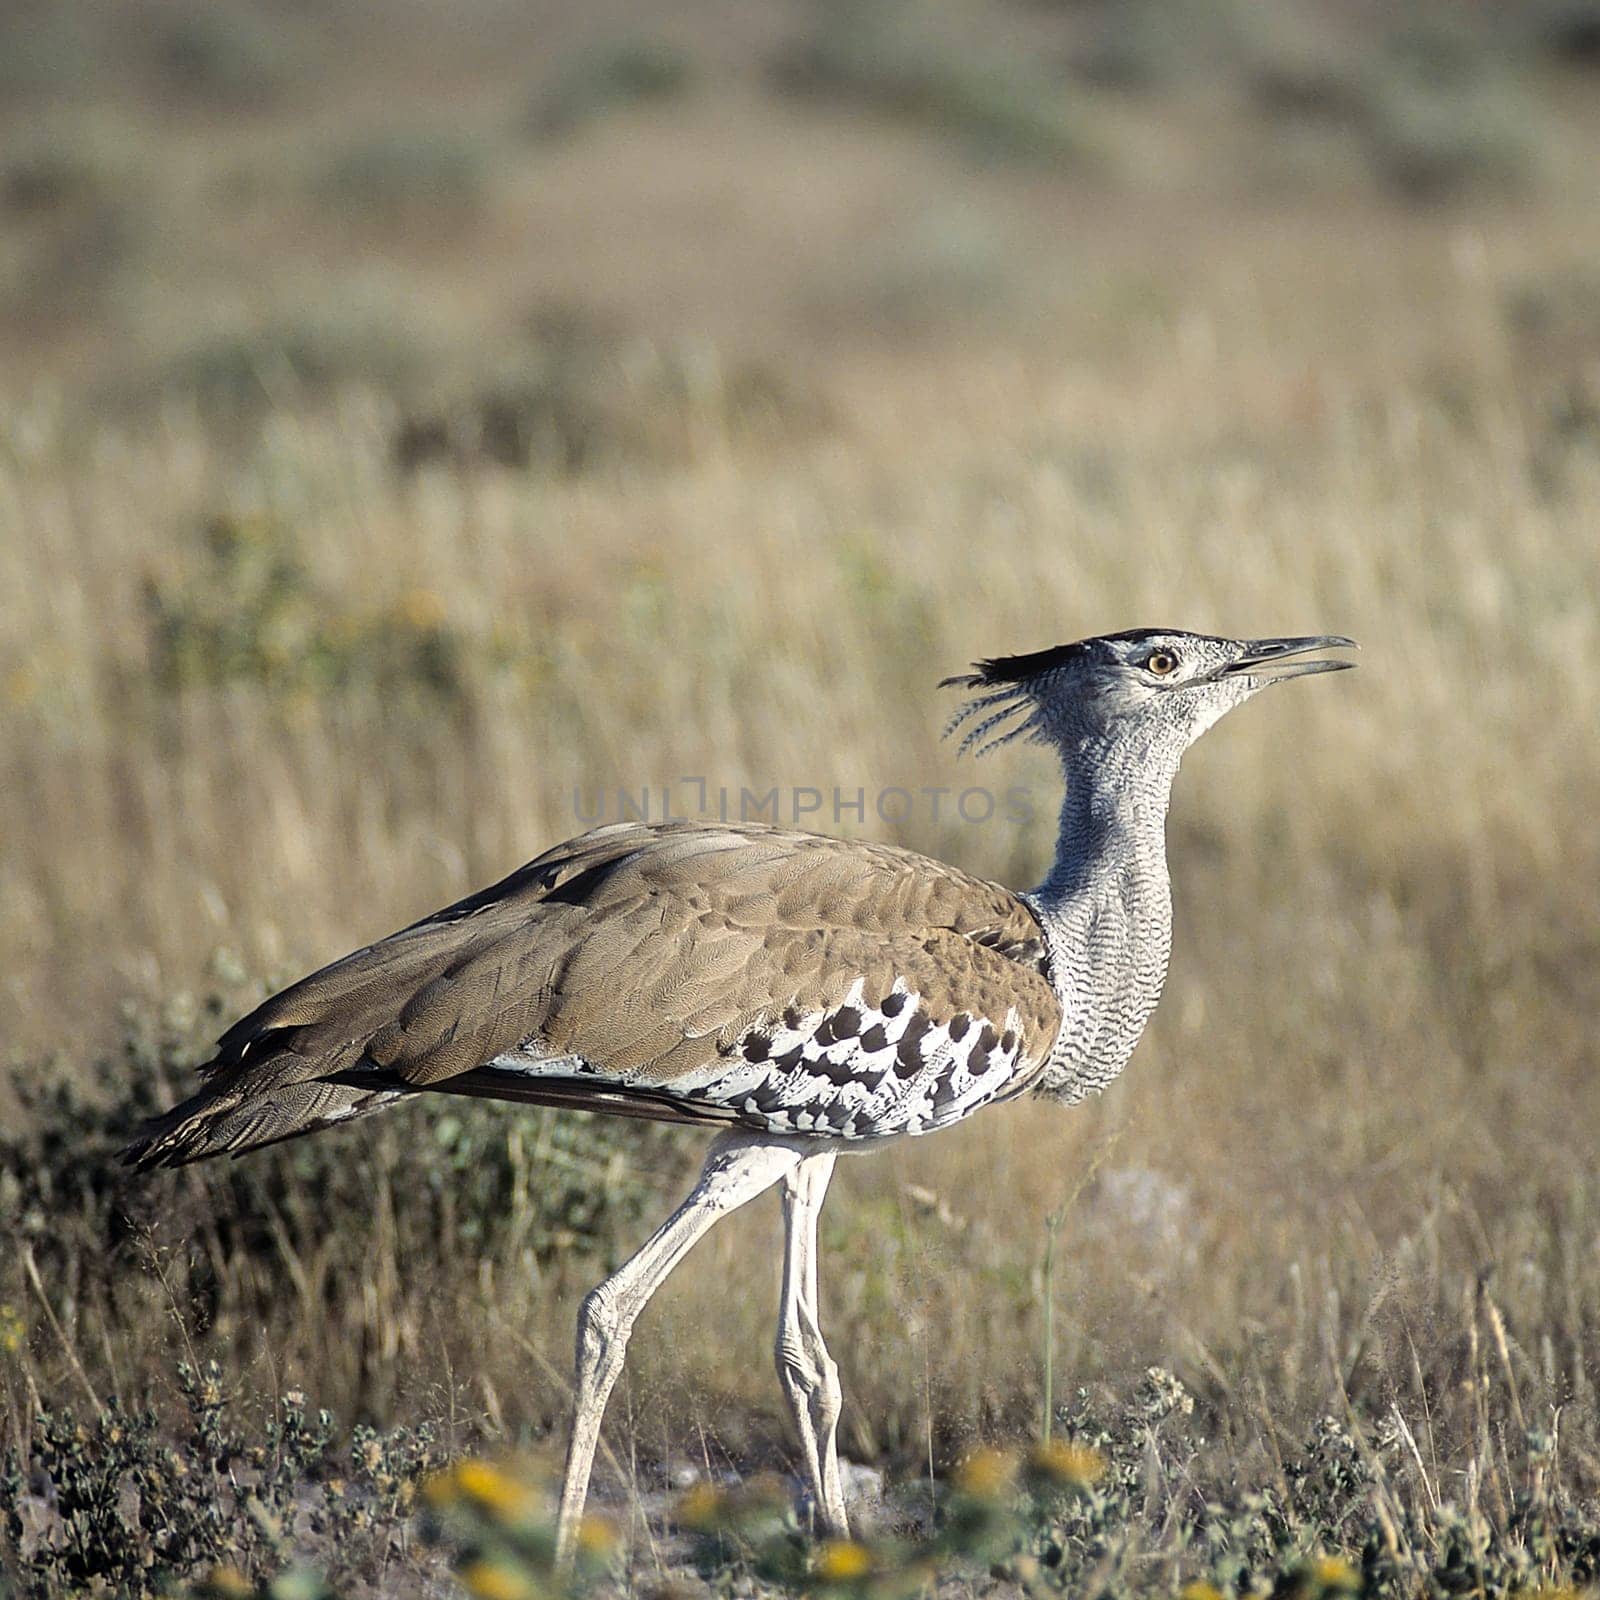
x=808 y=1373
x=738 y=1168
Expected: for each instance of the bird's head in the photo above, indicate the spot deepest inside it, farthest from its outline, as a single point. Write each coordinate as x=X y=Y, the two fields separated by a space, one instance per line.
x=1160 y=688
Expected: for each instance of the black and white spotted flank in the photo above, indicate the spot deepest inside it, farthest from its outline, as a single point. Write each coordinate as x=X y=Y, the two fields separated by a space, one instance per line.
x=862 y=1070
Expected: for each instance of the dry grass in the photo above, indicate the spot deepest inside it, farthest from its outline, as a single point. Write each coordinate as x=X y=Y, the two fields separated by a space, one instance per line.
x=1353 y=1158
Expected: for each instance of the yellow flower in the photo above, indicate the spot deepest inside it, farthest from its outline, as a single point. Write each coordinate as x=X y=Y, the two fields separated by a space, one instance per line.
x=21 y=684
x=986 y=1474
x=1068 y=1465
x=422 y=609
x=843 y=1561
x=1322 y=1578
x=1336 y=1574
x=596 y=1536
x=497 y=1580
x=229 y=1583
x=493 y=1491
x=1199 y=1591
x=13 y=1330
x=485 y=1488
x=702 y=1507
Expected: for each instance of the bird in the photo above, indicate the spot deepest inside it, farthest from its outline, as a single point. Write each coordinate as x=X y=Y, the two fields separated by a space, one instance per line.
x=802 y=995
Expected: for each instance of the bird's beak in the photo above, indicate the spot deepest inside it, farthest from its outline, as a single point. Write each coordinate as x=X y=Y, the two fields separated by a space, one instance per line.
x=1268 y=659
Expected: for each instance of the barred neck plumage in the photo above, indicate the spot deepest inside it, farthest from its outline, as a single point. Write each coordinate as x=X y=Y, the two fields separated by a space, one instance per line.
x=1106 y=905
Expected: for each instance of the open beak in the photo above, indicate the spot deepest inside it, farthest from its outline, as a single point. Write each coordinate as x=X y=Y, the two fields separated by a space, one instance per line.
x=1270 y=659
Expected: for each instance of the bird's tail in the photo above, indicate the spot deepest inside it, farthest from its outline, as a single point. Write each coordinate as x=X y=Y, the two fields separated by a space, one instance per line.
x=222 y=1120
x=299 y=1061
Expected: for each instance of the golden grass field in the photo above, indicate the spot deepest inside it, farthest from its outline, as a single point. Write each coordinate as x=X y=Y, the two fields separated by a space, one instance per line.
x=999 y=405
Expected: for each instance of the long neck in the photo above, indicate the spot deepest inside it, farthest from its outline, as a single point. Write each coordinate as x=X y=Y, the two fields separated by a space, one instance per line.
x=1106 y=906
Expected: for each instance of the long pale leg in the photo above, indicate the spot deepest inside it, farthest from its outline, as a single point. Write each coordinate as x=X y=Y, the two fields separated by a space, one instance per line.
x=738 y=1168
x=809 y=1376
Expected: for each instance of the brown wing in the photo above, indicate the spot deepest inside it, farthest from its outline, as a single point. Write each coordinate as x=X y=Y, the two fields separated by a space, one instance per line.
x=644 y=953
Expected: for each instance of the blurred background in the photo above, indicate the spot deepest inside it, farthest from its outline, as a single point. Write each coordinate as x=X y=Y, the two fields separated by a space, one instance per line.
x=413 y=415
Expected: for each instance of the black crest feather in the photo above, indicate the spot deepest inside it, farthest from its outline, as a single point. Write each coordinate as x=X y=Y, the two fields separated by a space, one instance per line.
x=997 y=717
x=1015 y=669
x=1011 y=680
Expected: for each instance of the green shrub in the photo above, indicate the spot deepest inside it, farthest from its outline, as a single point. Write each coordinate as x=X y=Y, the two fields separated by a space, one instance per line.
x=1433 y=106
x=224 y=54
x=1567 y=30
x=1151 y=44
x=73 y=264
x=947 y=261
x=1115 y=1512
x=1298 y=72
x=884 y=55
x=405 y=174
x=119 y=1497
x=253 y=615
x=1559 y=310
x=247 y=362
x=593 y=85
x=77 y=217
x=126 y=1502
x=46 y=179
x=579 y=400
x=479 y=1179
x=1432 y=135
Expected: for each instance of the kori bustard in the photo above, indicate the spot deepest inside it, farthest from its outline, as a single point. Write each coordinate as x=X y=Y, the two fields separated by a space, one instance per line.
x=804 y=995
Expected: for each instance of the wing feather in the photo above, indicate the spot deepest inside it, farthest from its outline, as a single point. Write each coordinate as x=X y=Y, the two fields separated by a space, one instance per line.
x=644 y=952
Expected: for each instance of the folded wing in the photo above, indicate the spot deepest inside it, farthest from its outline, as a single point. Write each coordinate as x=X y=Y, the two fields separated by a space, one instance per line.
x=697 y=972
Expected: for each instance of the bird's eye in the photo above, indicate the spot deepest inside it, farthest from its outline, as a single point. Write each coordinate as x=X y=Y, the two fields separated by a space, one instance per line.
x=1161 y=662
